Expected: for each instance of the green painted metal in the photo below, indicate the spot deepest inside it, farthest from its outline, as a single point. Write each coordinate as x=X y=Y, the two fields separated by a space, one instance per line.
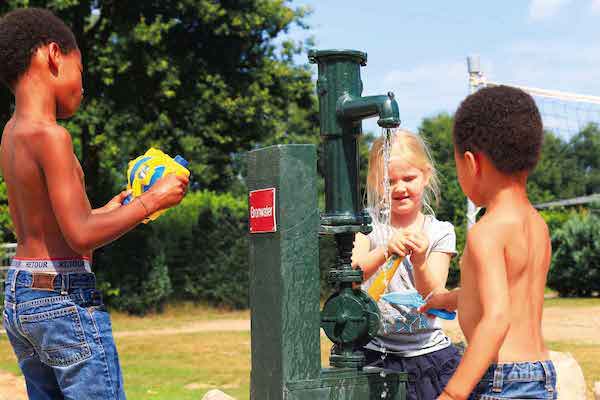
x=341 y=110
x=284 y=292
x=350 y=384
x=284 y=272
x=350 y=318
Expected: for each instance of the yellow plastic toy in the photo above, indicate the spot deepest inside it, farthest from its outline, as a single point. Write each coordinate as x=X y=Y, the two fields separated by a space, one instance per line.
x=385 y=276
x=145 y=170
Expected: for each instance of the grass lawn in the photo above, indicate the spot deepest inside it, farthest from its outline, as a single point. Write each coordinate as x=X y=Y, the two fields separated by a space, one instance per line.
x=186 y=366
x=174 y=317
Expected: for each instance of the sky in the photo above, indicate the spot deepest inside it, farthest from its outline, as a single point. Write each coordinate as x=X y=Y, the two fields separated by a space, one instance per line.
x=418 y=49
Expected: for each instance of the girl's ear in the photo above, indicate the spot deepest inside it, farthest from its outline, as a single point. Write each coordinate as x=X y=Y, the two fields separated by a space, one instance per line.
x=426 y=176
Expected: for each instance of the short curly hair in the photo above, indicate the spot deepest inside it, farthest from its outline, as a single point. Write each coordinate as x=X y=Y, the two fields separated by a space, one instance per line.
x=22 y=32
x=505 y=124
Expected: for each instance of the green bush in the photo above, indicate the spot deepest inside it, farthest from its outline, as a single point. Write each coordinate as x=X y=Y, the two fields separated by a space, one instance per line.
x=575 y=269
x=133 y=273
x=556 y=217
x=207 y=249
x=197 y=251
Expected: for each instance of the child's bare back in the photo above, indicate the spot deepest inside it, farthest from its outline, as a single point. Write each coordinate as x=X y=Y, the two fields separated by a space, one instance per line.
x=520 y=237
x=498 y=135
x=30 y=207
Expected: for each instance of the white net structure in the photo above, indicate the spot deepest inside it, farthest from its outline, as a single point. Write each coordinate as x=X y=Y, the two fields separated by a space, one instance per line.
x=564 y=114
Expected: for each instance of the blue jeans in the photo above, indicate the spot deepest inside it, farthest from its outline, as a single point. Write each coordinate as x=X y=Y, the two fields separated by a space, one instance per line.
x=526 y=380
x=62 y=338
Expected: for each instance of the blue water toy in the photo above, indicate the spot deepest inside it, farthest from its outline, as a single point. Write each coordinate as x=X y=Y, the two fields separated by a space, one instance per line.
x=415 y=300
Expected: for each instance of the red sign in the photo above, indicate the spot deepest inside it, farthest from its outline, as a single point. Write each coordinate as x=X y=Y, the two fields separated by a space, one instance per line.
x=262 y=211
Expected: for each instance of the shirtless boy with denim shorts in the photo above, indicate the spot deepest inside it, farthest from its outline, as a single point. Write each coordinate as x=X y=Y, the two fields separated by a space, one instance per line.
x=498 y=136
x=53 y=316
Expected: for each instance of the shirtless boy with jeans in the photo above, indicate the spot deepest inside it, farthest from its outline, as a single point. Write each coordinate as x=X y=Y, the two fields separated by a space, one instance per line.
x=497 y=140
x=53 y=316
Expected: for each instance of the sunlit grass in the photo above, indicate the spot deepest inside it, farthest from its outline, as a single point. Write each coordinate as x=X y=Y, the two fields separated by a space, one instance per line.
x=186 y=366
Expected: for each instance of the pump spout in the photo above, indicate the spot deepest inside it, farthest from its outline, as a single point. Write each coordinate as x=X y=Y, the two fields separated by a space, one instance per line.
x=351 y=108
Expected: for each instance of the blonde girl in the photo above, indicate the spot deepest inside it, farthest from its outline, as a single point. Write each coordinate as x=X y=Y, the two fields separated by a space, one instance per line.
x=409 y=341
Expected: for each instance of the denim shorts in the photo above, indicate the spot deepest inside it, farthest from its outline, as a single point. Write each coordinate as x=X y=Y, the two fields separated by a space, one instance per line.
x=62 y=337
x=526 y=380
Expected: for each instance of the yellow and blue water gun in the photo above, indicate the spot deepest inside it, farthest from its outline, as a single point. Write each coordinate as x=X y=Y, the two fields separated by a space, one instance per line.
x=144 y=171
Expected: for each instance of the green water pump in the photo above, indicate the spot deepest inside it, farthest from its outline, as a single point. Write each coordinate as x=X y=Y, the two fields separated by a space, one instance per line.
x=350 y=318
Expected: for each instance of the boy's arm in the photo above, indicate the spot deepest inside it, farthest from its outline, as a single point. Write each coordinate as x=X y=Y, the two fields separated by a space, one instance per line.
x=441 y=299
x=82 y=229
x=367 y=260
x=484 y=258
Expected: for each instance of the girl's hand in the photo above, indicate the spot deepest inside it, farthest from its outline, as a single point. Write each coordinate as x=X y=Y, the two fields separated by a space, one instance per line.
x=398 y=244
x=417 y=243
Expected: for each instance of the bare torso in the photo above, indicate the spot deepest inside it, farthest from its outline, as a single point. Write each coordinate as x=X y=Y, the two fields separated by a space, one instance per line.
x=527 y=255
x=37 y=230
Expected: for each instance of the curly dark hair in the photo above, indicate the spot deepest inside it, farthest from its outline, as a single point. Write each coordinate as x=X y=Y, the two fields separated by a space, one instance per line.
x=505 y=124
x=22 y=32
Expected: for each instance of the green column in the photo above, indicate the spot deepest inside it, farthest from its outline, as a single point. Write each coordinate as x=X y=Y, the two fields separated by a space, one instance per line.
x=284 y=272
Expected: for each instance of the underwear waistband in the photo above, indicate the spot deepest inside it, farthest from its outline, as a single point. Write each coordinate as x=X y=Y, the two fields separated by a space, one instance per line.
x=53 y=265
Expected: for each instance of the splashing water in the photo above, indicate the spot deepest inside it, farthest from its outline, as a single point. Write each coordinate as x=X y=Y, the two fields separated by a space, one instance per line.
x=382 y=207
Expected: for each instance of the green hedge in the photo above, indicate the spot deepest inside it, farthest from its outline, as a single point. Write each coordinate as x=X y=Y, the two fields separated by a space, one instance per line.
x=575 y=269
x=197 y=251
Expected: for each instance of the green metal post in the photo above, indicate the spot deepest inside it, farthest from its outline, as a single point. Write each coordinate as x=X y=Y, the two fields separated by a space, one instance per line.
x=350 y=318
x=284 y=272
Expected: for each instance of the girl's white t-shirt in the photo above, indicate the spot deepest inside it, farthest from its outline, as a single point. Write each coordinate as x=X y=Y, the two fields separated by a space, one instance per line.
x=405 y=331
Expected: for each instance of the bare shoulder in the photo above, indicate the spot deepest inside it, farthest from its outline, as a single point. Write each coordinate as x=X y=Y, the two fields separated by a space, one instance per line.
x=52 y=141
x=488 y=237
x=491 y=228
x=51 y=133
x=540 y=224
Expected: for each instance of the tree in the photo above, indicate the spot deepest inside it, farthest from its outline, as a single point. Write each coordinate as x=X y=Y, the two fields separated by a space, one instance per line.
x=557 y=175
x=203 y=78
x=437 y=133
x=585 y=150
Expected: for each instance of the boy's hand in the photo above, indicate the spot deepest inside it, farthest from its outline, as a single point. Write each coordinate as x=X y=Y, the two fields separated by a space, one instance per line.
x=167 y=192
x=114 y=203
x=441 y=299
x=446 y=396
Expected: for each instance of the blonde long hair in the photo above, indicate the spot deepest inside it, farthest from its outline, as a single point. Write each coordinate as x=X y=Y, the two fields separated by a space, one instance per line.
x=413 y=149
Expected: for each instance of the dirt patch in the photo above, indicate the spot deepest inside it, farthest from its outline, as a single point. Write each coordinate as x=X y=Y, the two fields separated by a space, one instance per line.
x=12 y=387
x=579 y=325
